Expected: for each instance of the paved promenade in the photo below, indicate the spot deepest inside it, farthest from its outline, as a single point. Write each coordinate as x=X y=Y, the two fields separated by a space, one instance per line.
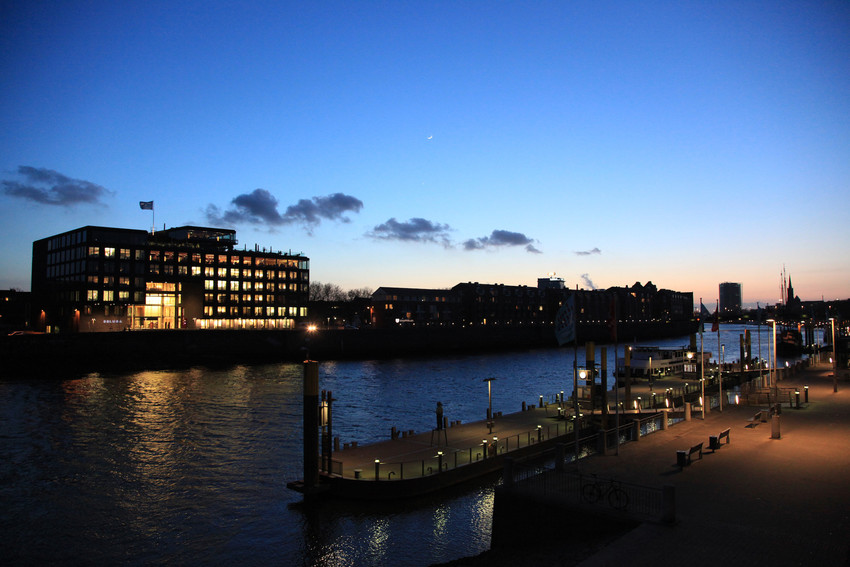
x=756 y=501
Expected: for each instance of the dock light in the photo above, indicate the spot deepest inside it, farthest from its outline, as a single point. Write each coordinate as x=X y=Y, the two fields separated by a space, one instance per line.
x=440 y=461
x=737 y=400
x=484 y=447
x=539 y=433
x=377 y=469
x=496 y=444
x=582 y=374
x=667 y=402
x=806 y=393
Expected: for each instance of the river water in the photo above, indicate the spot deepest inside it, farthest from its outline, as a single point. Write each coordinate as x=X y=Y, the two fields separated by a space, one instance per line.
x=190 y=466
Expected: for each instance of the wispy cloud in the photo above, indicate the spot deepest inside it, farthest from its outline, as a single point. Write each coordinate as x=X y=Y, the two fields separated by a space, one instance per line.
x=261 y=207
x=414 y=230
x=588 y=252
x=588 y=282
x=48 y=187
x=499 y=238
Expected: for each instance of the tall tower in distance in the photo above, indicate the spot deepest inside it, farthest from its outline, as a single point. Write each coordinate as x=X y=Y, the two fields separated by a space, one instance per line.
x=730 y=299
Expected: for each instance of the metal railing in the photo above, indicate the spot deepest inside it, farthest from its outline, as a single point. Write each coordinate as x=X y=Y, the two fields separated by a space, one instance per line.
x=607 y=494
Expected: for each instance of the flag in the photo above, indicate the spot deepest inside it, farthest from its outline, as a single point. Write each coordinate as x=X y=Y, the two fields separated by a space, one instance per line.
x=612 y=320
x=565 y=322
x=146 y=205
x=716 y=325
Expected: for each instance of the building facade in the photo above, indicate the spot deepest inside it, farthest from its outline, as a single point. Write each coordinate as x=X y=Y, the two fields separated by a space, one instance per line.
x=730 y=299
x=474 y=304
x=113 y=279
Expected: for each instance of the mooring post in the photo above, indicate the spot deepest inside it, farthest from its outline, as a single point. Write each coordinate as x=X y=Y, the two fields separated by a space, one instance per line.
x=311 y=424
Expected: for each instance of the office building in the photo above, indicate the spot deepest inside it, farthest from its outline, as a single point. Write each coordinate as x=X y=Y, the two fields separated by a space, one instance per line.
x=730 y=299
x=112 y=279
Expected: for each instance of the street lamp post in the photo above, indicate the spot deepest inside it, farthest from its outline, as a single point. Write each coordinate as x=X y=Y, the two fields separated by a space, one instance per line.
x=834 y=358
x=771 y=374
x=489 y=403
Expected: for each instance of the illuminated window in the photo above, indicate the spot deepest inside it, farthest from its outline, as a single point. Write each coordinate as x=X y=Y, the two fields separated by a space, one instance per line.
x=270 y=287
x=258 y=274
x=209 y=258
x=234 y=298
x=183 y=270
x=196 y=270
x=168 y=269
x=168 y=256
x=109 y=252
x=258 y=286
x=93 y=279
x=139 y=254
x=246 y=260
x=258 y=298
x=153 y=269
x=281 y=311
x=124 y=254
x=270 y=299
x=222 y=272
x=258 y=311
x=234 y=259
x=209 y=271
x=222 y=259
x=269 y=311
x=182 y=257
x=154 y=256
x=209 y=284
x=124 y=296
x=234 y=285
x=234 y=272
x=94 y=251
x=196 y=258
x=246 y=273
x=221 y=284
x=124 y=282
x=246 y=285
x=92 y=295
x=246 y=297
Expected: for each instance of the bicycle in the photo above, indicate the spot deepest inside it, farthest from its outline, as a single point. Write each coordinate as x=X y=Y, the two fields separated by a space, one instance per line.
x=593 y=492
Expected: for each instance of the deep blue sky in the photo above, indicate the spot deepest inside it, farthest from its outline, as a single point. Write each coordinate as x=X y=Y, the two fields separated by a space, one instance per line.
x=430 y=143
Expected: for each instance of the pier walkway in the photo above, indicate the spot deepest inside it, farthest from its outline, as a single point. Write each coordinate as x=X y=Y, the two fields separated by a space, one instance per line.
x=756 y=501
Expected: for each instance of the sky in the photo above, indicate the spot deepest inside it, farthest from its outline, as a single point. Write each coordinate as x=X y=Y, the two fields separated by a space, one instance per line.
x=425 y=144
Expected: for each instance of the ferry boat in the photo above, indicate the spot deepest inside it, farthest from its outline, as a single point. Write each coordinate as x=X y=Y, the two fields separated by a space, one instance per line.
x=660 y=362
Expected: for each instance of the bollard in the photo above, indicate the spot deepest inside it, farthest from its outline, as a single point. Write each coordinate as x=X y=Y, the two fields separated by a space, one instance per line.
x=774 y=427
x=797 y=398
x=806 y=392
x=377 y=469
x=439 y=461
x=541 y=402
x=664 y=421
x=687 y=411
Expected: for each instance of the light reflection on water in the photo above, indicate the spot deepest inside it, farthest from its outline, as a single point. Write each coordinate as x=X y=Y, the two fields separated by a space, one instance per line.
x=190 y=466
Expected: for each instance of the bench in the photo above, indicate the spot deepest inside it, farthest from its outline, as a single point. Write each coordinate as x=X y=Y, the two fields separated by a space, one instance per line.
x=756 y=419
x=684 y=457
x=714 y=440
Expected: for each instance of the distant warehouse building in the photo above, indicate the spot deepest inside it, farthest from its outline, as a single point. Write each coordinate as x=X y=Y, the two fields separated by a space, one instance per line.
x=112 y=279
